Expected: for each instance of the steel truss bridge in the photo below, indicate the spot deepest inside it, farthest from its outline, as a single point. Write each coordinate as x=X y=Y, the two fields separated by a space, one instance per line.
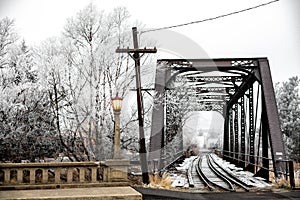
x=240 y=89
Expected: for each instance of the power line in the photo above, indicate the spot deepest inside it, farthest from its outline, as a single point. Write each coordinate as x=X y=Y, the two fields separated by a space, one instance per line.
x=209 y=19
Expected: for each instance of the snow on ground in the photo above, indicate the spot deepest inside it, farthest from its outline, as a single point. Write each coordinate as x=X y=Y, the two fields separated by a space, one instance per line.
x=180 y=179
x=245 y=176
x=186 y=163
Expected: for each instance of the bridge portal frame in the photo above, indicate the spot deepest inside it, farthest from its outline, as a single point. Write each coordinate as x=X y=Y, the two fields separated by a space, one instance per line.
x=248 y=71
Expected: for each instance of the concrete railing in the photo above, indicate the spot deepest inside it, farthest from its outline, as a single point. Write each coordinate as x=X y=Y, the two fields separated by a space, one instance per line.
x=63 y=172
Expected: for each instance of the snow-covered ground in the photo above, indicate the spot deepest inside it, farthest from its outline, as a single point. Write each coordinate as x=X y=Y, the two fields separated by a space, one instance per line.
x=186 y=163
x=245 y=176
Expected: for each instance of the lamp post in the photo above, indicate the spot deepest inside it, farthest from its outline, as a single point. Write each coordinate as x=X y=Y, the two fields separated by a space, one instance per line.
x=116 y=105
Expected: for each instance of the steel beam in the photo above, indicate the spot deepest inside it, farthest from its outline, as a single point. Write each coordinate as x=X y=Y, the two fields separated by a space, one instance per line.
x=251 y=166
x=213 y=79
x=236 y=132
x=231 y=133
x=226 y=133
x=242 y=89
x=263 y=172
x=243 y=124
x=272 y=119
x=241 y=62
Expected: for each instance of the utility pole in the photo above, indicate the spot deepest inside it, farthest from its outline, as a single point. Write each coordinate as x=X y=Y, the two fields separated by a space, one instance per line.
x=136 y=56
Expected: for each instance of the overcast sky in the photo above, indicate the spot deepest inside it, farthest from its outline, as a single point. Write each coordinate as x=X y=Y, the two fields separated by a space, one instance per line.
x=272 y=31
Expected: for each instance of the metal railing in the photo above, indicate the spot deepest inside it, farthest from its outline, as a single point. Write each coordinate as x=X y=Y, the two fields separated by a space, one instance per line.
x=288 y=173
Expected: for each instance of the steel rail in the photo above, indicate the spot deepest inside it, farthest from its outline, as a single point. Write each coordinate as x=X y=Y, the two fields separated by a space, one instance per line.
x=202 y=176
x=189 y=174
x=231 y=177
x=220 y=175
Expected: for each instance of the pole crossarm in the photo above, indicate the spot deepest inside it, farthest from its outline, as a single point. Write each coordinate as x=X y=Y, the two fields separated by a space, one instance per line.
x=128 y=50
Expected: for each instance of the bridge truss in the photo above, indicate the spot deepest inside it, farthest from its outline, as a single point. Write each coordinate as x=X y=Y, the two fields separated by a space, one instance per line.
x=241 y=89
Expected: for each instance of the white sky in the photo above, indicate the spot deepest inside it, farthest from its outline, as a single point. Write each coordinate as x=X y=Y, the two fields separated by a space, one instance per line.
x=272 y=31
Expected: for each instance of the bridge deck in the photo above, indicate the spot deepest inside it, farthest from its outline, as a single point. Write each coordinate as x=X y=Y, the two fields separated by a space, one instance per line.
x=106 y=193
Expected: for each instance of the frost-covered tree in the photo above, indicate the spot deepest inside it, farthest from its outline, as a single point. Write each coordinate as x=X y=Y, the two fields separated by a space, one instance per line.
x=26 y=123
x=8 y=37
x=58 y=78
x=82 y=73
x=95 y=36
x=70 y=79
x=288 y=102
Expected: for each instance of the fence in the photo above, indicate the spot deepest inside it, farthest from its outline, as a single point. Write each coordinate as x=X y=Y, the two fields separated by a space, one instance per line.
x=14 y=174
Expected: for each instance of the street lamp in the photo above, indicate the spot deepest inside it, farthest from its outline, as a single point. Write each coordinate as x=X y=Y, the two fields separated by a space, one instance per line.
x=116 y=105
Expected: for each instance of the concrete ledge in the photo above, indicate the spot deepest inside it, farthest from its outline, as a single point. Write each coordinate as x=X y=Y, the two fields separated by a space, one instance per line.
x=105 y=193
x=63 y=186
x=116 y=170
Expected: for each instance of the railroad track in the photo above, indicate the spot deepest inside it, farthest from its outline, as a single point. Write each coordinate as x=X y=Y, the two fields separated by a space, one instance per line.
x=206 y=172
x=193 y=177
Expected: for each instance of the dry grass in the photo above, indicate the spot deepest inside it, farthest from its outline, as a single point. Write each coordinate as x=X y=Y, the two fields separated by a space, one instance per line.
x=297 y=180
x=282 y=182
x=160 y=182
x=297 y=174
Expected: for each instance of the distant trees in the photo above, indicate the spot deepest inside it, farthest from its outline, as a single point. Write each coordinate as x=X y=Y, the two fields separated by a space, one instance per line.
x=288 y=102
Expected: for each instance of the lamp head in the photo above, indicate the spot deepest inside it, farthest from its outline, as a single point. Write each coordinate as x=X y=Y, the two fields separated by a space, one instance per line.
x=116 y=103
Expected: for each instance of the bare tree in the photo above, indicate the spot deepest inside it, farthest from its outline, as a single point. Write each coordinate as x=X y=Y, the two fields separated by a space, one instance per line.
x=100 y=73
